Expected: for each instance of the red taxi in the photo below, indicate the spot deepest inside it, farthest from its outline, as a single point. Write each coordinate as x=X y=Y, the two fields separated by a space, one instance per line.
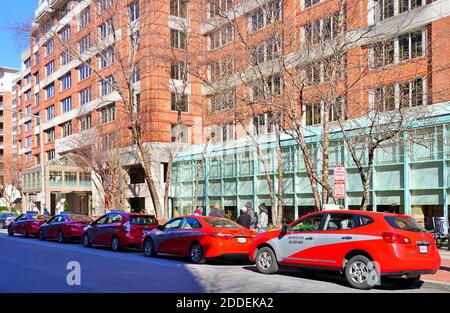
x=64 y=227
x=199 y=238
x=363 y=245
x=27 y=224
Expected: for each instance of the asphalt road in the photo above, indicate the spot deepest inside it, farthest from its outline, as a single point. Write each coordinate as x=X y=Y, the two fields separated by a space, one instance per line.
x=29 y=265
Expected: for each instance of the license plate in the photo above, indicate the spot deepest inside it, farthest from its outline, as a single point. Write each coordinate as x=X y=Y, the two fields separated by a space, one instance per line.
x=423 y=249
x=242 y=240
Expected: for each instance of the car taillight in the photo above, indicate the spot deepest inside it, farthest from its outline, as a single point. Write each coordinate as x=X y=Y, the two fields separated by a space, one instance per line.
x=395 y=238
x=222 y=235
x=127 y=226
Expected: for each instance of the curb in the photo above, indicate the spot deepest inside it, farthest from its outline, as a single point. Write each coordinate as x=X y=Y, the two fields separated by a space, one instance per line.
x=436 y=285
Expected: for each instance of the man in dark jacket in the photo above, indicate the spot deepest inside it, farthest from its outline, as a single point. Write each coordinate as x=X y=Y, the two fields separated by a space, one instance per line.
x=244 y=219
x=215 y=211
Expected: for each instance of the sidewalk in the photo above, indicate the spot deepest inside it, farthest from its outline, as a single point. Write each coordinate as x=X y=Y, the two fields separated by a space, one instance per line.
x=440 y=280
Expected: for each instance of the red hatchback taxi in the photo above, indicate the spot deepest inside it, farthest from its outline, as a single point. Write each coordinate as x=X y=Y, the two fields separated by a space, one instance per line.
x=363 y=245
x=27 y=224
x=118 y=229
x=64 y=227
x=199 y=238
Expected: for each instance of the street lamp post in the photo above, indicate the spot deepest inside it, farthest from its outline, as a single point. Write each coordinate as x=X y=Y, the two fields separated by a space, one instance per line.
x=42 y=158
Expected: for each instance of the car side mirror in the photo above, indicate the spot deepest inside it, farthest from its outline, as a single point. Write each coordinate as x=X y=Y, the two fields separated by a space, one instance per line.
x=285 y=229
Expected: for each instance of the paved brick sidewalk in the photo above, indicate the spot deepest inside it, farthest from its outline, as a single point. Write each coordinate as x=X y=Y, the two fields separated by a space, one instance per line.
x=440 y=280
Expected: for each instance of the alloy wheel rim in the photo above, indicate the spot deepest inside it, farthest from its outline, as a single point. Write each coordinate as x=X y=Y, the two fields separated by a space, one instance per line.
x=148 y=247
x=86 y=240
x=359 y=272
x=115 y=243
x=265 y=260
x=60 y=237
x=196 y=253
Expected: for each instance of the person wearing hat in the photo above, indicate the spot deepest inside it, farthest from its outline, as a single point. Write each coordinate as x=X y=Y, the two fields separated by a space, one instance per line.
x=263 y=218
x=216 y=211
x=244 y=219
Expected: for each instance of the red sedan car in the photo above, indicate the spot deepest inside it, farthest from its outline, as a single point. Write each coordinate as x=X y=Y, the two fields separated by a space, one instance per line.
x=363 y=245
x=27 y=224
x=118 y=229
x=64 y=227
x=199 y=238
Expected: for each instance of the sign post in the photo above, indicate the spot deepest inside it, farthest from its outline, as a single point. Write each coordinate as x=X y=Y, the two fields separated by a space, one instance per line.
x=339 y=175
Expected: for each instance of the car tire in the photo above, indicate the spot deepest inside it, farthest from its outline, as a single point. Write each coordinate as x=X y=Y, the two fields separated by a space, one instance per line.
x=359 y=272
x=196 y=254
x=10 y=232
x=266 y=261
x=115 y=244
x=61 y=237
x=24 y=233
x=86 y=241
x=2 y=225
x=149 y=248
x=41 y=235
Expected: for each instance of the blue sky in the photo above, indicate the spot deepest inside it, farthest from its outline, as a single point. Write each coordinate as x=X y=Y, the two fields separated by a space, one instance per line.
x=13 y=12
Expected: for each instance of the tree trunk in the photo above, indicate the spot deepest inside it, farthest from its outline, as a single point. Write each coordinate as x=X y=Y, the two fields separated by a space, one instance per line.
x=197 y=173
x=167 y=187
x=365 y=179
x=325 y=156
x=279 y=221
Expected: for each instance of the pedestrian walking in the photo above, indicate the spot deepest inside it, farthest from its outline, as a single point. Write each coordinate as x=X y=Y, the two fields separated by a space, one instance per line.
x=253 y=216
x=198 y=211
x=263 y=218
x=244 y=219
x=216 y=211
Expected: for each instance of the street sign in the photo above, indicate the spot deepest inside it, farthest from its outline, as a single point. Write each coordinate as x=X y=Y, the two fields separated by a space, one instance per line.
x=339 y=174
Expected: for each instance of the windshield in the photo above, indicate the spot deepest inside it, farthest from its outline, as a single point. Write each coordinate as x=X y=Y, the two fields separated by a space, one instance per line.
x=143 y=220
x=404 y=223
x=80 y=218
x=222 y=223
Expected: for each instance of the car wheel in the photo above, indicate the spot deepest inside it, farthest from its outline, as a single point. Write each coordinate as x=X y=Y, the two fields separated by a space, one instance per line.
x=86 y=241
x=2 y=225
x=10 y=232
x=196 y=254
x=115 y=244
x=149 y=248
x=266 y=261
x=24 y=233
x=61 y=237
x=41 y=235
x=361 y=273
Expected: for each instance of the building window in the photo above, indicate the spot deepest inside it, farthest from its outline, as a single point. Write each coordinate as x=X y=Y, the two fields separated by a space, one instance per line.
x=37 y=99
x=66 y=129
x=312 y=114
x=85 y=18
x=179 y=133
x=106 y=58
x=86 y=122
x=222 y=100
x=84 y=71
x=265 y=89
x=322 y=30
x=105 y=29
x=412 y=93
x=49 y=47
x=385 y=98
x=177 y=71
x=104 y=5
x=221 y=37
x=179 y=102
x=28 y=95
x=134 y=41
x=50 y=68
x=50 y=91
x=134 y=11
x=65 y=33
x=85 y=96
x=267 y=51
x=51 y=155
x=28 y=126
x=66 y=105
x=84 y=44
x=309 y=3
x=50 y=112
x=107 y=86
x=383 y=53
x=28 y=79
x=27 y=63
x=218 y=7
x=222 y=133
x=406 y=5
x=265 y=15
x=109 y=141
x=178 y=39
x=136 y=75
x=37 y=79
x=263 y=124
x=178 y=8
x=50 y=135
x=65 y=58
x=221 y=69
x=36 y=58
x=387 y=9
x=411 y=45
x=108 y=113
x=66 y=81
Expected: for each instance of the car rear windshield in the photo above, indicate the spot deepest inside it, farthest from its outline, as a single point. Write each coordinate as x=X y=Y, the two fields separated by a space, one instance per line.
x=143 y=220
x=404 y=223
x=80 y=218
x=5 y=215
x=222 y=223
x=39 y=217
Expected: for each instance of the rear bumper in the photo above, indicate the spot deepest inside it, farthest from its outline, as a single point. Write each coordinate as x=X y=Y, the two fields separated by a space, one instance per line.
x=409 y=273
x=223 y=248
x=128 y=239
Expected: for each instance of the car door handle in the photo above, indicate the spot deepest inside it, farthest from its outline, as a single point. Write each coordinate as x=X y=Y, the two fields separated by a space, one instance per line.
x=309 y=238
x=347 y=238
